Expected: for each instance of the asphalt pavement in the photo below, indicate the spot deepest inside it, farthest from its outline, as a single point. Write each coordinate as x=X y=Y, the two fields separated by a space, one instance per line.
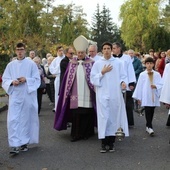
x=139 y=151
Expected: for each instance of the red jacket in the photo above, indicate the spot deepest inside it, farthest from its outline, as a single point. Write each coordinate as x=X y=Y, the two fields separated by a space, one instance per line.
x=161 y=66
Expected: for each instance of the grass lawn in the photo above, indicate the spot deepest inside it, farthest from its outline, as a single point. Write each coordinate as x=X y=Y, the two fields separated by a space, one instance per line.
x=2 y=104
x=2 y=92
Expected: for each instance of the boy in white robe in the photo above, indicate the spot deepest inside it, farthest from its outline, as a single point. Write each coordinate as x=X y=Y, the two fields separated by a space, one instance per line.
x=108 y=77
x=21 y=80
x=147 y=92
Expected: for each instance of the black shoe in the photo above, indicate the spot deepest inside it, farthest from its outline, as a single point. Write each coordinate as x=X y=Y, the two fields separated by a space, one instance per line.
x=111 y=148
x=75 y=139
x=68 y=125
x=24 y=148
x=14 y=150
x=103 y=149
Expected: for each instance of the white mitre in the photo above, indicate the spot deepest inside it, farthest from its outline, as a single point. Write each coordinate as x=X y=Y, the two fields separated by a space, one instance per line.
x=81 y=43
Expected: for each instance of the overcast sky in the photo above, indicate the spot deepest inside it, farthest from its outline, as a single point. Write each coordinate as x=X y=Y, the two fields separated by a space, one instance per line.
x=90 y=7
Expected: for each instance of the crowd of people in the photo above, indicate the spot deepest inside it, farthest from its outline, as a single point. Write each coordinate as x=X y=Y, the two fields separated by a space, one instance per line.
x=87 y=89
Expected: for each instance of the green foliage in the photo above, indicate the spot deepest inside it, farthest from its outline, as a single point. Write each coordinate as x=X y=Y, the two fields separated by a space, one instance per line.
x=159 y=39
x=42 y=27
x=103 y=29
x=39 y=24
x=2 y=93
x=4 y=60
x=140 y=18
x=165 y=18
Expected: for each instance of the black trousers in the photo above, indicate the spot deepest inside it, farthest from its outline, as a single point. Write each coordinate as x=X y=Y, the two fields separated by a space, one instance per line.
x=82 y=122
x=149 y=113
x=108 y=140
x=48 y=90
x=52 y=89
x=39 y=98
x=129 y=107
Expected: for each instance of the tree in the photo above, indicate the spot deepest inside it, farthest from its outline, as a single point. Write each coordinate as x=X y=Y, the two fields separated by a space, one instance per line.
x=159 y=40
x=39 y=24
x=20 y=19
x=69 y=23
x=103 y=29
x=140 y=18
x=165 y=19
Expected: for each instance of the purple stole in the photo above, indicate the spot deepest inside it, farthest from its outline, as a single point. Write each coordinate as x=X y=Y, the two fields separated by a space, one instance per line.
x=68 y=95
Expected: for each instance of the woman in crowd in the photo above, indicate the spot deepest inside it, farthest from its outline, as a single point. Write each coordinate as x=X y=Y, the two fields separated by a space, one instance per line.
x=42 y=87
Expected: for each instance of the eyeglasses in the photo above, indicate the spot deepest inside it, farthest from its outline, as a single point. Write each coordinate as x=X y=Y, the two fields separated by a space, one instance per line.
x=71 y=53
x=91 y=51
x=20 y=49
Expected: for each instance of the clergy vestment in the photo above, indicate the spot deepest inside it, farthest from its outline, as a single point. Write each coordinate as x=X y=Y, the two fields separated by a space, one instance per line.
x=165 y=93
x=77 y=99
x=22 y=119
x=143 y=91
x=96 y=57
x=54 y=68
x=111 y=112
x=129 y=70
x=131 y=79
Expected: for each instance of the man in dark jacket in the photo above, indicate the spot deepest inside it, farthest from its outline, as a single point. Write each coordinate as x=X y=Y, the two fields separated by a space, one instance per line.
x=69 y=52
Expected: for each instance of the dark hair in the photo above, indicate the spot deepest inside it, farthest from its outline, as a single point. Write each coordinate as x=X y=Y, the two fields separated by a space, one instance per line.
x=159 y=55
x=58 y=47
x=149 y=60
x=18 y=45
x=67 y=49
x=107 y=43
x=117 y=44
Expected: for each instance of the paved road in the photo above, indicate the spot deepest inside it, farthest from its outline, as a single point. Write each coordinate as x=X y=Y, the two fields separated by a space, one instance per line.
x=56 y=152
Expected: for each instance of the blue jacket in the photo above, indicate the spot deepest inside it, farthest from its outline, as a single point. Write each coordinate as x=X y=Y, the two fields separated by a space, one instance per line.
x=137 y=65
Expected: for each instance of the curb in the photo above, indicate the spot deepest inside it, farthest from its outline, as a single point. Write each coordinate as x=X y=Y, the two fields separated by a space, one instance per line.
x=3 y=95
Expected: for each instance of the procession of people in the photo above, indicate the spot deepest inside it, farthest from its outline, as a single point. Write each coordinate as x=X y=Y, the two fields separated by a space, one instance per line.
x=87 y=90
